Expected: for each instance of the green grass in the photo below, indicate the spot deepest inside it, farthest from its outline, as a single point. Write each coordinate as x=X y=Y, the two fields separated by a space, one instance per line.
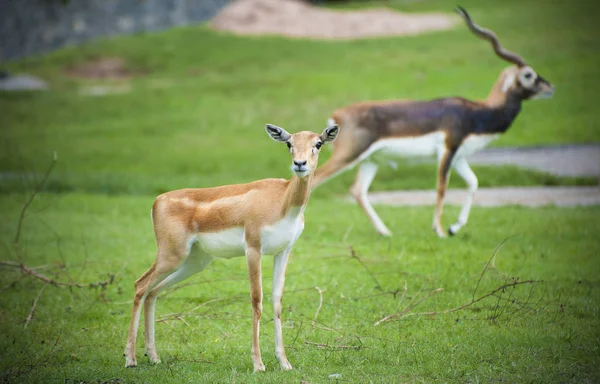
x=80 y=335
x=195 y=118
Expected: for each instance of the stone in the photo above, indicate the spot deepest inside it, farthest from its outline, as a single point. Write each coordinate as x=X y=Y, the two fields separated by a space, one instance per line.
x=22 y=82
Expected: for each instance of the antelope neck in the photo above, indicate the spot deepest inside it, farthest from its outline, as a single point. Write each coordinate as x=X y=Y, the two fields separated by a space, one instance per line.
x=297 y=192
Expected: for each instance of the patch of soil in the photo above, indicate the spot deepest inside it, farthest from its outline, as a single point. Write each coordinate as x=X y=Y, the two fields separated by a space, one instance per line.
x=493 y=197
x=294 y=18
x=106 y=68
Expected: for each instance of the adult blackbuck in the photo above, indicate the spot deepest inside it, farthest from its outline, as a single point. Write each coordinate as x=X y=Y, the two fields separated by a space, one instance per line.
x=451 y=128
x=193 y=226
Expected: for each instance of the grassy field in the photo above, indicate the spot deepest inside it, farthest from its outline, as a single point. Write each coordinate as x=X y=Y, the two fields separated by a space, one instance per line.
x=545 y=332
x=194 y=116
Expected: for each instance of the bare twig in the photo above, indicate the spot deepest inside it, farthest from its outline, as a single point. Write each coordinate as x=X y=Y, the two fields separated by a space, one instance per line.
x=298 y=333
x=36 y=190
x=409 y=308
x=196 y=361
x=7 y=263
x=345 y=238
x=30 y=317
x=177 y=287
x=354 y=255
x=12 y=374
x=326 y=328
x=29 y=271
x=191 y=312
x=320 y=304
x=12 y=284
x=402 y=297
x=320 y=345
x=501 y=288
x=491 y=261
x=474 y=300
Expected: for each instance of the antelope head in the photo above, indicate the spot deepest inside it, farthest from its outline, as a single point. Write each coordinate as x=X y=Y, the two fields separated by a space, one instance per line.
x=303 y=146
x=520 y=79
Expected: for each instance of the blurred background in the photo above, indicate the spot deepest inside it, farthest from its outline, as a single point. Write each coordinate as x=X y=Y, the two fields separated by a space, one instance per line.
x=133 y=110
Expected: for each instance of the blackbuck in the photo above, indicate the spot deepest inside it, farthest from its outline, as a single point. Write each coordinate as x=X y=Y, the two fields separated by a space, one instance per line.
x=193 y=226
x=451 y=128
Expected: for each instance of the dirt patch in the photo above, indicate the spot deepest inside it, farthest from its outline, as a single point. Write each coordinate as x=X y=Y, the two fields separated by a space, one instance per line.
x=293 y=18
x=578 y=160
x=493 y=197
x=107 y=68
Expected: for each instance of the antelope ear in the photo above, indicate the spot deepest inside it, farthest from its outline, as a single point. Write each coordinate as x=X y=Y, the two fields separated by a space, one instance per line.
x=277 y=133
x=330 y=133
x=508 y=82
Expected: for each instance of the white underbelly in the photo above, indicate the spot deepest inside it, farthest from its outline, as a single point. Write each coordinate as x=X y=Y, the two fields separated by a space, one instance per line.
x=225 y=244
x=231 y=242
x=474 y=143
x=426 y=145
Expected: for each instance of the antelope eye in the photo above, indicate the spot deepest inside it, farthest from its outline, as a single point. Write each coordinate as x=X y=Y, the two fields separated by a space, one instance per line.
x=318 y=145
x=528 y=75
x=289 y=145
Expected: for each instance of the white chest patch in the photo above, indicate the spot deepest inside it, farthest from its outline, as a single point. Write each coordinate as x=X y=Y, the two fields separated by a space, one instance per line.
x=426 y=145
x=474 y=143
x=282 y=234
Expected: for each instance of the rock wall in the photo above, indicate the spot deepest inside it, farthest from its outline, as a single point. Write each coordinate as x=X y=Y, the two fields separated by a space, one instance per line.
x=35 y=26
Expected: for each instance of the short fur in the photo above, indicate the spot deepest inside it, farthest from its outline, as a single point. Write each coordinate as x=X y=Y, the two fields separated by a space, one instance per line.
x=193 y=226
x=369 y=126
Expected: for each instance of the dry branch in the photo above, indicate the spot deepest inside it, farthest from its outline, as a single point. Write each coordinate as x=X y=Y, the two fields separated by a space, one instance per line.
x=354 y=255
x=29 y=271
x=36 y=190
x=405 y=313
x=320 y=304
x=192 y=312
x=320 y=345
x=501 y=288
x=409 y=308
x=30 y=316
x=196 y=361
x=473 y=300
x=492 y=262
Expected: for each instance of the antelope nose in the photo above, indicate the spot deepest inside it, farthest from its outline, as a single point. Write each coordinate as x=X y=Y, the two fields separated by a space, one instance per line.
x=299 y=163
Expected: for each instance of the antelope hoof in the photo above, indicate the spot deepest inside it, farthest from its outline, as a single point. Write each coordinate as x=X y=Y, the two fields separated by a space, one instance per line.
x=440 y=232
x=260 y=367
x=286 y=366
x=154 y=360
x=130 y=362
x=384 y=232
x=454 y=228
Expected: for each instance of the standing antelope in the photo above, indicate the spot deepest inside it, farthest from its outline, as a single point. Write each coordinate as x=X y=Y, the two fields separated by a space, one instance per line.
x=193 y=226
x=451 y=128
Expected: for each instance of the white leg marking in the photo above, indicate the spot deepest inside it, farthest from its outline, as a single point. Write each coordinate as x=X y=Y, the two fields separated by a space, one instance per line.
x=189 y=267
x=508 y=82
x=279 y=266
x=130 y=360
x=462 y=168
x=364 y=178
